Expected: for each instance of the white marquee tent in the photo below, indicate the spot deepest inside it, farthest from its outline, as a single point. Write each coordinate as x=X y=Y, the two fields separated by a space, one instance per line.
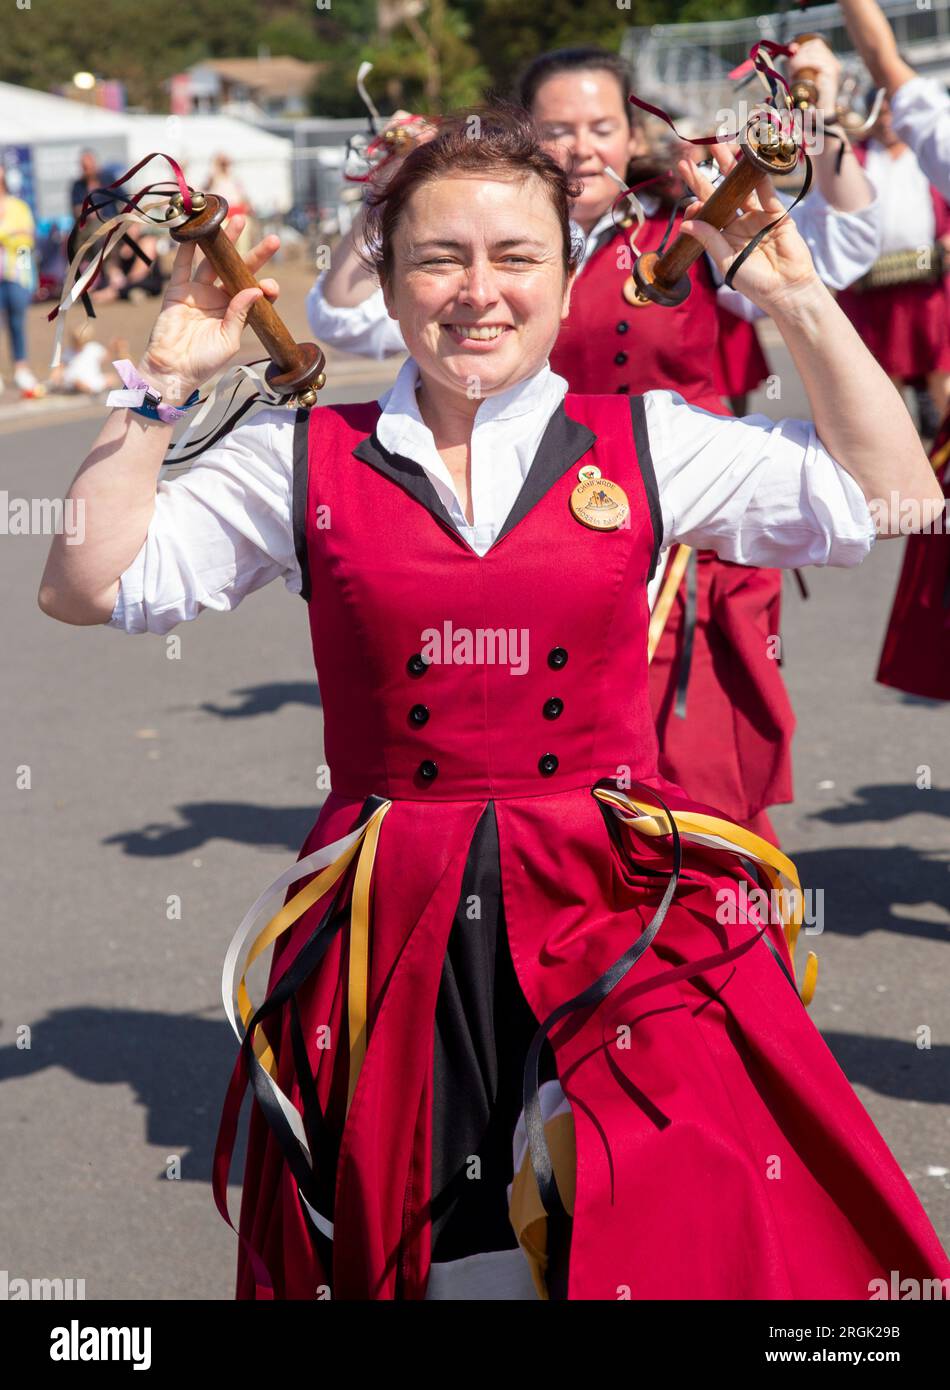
x=55 y=129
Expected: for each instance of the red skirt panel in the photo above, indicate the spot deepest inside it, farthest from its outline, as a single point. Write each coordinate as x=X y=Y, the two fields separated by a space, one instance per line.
x=906 y=327
x=916 y=652
x=733 y=748
x=720 y=1150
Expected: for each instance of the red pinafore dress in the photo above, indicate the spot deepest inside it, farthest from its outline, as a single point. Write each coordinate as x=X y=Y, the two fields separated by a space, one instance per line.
x=722 y=712
x=713 y=1147
x=915 y=657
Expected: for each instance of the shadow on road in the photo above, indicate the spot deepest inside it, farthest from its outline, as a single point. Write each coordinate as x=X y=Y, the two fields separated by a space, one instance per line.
x=887 y=802
x=861 y=887
x=177 y=1064
x=894 y=1067
x=201 y=821
x=267 y=699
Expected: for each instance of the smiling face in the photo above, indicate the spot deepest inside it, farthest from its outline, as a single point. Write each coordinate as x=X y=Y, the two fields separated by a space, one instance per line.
x=478 y=282
x=582 y=117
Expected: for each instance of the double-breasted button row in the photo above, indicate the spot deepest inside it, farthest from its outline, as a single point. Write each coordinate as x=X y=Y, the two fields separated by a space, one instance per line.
x=419 y=714
x=551 y=709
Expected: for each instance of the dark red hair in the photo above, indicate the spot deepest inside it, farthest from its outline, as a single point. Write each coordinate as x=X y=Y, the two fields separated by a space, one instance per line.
x=496 y=139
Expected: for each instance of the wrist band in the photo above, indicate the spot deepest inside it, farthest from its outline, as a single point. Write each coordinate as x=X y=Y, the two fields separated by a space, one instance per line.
x=141 y=398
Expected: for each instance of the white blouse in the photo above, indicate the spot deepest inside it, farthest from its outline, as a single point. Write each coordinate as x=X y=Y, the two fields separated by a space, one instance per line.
x=920 y=113
x=903 y=189
x=758 y=492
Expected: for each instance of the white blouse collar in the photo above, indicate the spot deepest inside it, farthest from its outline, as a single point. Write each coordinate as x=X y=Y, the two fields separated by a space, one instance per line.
x=535 y=396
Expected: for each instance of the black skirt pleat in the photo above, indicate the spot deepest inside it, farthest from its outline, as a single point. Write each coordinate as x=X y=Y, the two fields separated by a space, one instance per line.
x=483 y=1027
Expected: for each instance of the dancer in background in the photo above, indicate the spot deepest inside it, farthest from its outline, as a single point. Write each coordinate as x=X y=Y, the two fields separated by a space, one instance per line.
x=920 y=108
x=915 y=656
x=901 y=307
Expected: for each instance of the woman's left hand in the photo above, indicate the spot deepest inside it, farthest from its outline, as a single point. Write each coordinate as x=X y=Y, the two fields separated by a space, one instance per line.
x=780 y=267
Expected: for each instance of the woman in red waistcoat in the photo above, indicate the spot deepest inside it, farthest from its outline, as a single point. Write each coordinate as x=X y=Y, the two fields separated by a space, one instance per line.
x=723 y=715
x=499 y=850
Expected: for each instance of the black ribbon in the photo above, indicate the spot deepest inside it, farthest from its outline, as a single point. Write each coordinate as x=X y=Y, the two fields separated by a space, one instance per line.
x=593 y=995
x=747 y=250
x=689 y=632
x=316 y=1184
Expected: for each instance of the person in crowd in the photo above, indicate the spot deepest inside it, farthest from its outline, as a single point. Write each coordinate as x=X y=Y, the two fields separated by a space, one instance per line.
x=18 y=280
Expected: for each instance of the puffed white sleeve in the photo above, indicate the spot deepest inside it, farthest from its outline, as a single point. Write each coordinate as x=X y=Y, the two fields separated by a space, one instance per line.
x=757 y=491
x=843 y=245
x=218 y=532
x=365 y=328
x=920 y=114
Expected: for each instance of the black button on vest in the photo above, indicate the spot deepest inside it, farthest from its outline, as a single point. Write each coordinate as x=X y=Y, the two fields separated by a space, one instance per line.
x=557 y=657
x=417 y=665
x=428 y=769
x=419 y=714
x=552 y=707
x=547 y=764
x=620 y=358
x=624 y=389
x=622 y=326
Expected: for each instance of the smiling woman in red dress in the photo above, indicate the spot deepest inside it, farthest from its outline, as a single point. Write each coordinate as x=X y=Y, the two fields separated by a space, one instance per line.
x=502 y=903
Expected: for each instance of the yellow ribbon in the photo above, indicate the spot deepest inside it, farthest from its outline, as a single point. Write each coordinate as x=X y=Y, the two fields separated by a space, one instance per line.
x=293 y=910
x=779 y=870
x=664 y=603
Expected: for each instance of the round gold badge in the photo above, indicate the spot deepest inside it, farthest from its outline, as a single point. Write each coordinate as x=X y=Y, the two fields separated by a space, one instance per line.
x=599 y=503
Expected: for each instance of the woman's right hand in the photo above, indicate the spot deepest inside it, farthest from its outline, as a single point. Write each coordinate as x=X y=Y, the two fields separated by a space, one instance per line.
x=199 y=327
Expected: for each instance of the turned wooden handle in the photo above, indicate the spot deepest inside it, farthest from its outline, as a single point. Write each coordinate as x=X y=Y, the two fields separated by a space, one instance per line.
x=296 y=367
x=716 y=211
x=663 y=279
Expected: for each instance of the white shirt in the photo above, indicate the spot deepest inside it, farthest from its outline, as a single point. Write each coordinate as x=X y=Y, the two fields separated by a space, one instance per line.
x=756 y=491
x=843 y=246
x=920 y=116
x=907 y=210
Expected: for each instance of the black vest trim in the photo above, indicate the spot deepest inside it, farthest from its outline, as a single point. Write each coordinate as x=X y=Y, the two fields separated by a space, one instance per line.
x=564 y=441
x=641 y=436
x=300 y=487
x=408 y=475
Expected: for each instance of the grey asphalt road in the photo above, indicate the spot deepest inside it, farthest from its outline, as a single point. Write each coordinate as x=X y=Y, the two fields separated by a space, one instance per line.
x=131 y=780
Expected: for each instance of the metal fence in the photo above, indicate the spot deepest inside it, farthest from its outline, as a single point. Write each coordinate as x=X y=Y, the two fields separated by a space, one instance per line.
x=687 y=65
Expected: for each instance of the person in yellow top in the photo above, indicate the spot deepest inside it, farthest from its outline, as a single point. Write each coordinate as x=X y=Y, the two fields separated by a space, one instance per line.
x=17 y=280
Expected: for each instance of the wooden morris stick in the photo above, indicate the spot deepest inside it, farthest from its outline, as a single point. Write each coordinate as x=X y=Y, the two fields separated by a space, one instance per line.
x=766 y=150
x=296 y=369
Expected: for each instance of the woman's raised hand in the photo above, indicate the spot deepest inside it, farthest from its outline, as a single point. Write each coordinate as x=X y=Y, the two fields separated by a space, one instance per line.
x=199 y=327
x=780 y=266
